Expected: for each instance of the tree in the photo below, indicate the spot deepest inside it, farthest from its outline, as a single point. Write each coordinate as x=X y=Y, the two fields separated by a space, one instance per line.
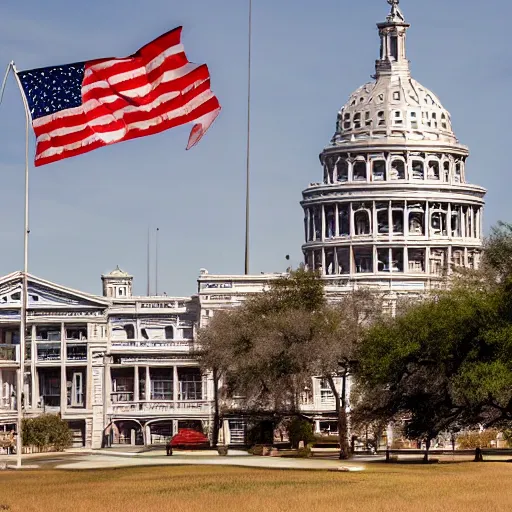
x=47 y=431
x=239 y=348
x=443 y=363
x=271 y=347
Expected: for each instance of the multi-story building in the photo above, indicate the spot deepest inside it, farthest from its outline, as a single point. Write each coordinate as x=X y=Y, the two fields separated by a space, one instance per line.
x=118 y=368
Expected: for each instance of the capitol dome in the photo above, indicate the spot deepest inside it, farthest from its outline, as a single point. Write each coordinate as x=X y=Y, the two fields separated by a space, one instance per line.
x=394 y=210
x=394 y=104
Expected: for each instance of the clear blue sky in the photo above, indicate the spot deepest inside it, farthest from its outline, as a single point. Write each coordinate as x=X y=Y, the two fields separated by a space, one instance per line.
x=91 y=212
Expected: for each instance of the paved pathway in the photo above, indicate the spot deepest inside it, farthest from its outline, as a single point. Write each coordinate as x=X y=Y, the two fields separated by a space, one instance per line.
x=116 y=461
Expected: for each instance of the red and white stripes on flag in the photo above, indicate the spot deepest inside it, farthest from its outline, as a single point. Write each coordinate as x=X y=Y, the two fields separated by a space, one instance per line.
x=153 y=90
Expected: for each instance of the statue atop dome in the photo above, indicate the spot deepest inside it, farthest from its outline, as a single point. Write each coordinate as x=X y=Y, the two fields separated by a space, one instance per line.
x=396 y=14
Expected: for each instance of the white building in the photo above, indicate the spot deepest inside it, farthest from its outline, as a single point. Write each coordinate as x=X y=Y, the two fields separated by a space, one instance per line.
x=118 y=368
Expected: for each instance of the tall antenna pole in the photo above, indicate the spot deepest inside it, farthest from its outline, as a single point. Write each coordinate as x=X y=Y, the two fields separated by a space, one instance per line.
x=24 y=283
x=148 y=291
x=247 y=177
x=156 y=261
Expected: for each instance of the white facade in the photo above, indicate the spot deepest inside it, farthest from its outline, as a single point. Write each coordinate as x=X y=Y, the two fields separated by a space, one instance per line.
x=118 y=368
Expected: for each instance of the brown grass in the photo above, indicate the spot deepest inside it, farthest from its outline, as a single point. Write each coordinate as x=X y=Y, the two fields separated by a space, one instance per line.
x=462 y=487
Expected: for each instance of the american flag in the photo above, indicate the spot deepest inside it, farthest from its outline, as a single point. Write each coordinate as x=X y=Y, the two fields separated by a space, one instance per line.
x=79 y=107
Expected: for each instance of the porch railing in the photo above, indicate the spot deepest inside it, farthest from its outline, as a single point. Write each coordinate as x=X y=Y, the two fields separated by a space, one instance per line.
x=181 y=345
x=161 y=407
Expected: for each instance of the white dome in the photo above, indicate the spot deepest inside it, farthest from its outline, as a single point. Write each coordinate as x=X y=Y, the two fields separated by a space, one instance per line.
x=395 y=105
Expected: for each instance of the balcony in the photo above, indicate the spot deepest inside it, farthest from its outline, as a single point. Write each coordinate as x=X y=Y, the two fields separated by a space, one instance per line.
x=47 y=352
x=9 y=353
x=153 y=345
x=159 y=407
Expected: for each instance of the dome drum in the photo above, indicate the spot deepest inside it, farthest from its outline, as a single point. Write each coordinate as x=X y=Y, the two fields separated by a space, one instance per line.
x=383 y=166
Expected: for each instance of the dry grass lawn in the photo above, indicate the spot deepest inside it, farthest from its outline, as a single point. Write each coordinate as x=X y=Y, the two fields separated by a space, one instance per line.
x=462 y=487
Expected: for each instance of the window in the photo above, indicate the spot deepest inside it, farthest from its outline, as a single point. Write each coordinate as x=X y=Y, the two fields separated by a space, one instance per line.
x=190 y=384
x=416 y=260
x=161 y=383
x=396 y=95
x=397 y=170
x=343 y=255
x=397 y=215
x=363 y=259
x=397 y=118
x=360 y=171
x=379 y=170
x=433 y=170
x=330 y=221
x=357 y=121
x=330 y=269
x=382 y=218
x=326 y=395
x=367 y=119
x=341 y=173
x=362 y=222
x=417 y=170
x=381 y=121
x=393 y=40
x=169 y=332
x=414 y=120
x=343 y=220
x=130 y=331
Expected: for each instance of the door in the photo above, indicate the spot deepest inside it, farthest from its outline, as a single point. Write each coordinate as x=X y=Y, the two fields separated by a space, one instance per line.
x=77 y=390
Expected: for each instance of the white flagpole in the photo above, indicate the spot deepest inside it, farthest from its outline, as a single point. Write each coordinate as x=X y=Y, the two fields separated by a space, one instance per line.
x=24 y=280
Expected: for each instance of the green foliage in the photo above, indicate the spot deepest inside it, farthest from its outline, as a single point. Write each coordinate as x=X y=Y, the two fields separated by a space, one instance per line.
x=300 y=430
x=507 y=436
x=471 y=440
x=48 y=431
x=443 y=362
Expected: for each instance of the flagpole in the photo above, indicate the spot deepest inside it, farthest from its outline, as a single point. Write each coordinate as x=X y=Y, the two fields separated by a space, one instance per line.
x=156 y=261
x=148 y=264
x=247 y=176
x=24 y=279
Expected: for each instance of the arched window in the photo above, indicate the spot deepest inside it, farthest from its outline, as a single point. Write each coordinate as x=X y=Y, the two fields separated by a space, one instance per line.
x=169 y=332
x=130 y=331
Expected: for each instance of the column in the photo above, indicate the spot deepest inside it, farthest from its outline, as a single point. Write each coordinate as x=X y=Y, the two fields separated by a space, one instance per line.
x=390 y=222
x=322 y=237
x=351 y=259
x=308 y=228
x=135 y=383
x=63 y=376
x=175 y=387
x=324 y=270
x=352 y=226
x=406 y=221
x=375 y=225
x=473 y=227
x=449 y=265
x=406 y=259
x=449 y=221
x=148 y=385
x=427 y=220
x=33 y=371
x=336 y=221
x=1 y=389
x=427 y=260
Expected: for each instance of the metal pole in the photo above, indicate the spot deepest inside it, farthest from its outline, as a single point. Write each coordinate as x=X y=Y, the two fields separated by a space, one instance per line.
x=149 y=276
x=24 y=280
x=156 y=261
x=247 y=177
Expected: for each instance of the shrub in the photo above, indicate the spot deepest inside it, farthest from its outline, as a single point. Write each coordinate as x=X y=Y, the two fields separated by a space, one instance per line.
x=300 y=430
x=470 y=440
x=47 y=431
